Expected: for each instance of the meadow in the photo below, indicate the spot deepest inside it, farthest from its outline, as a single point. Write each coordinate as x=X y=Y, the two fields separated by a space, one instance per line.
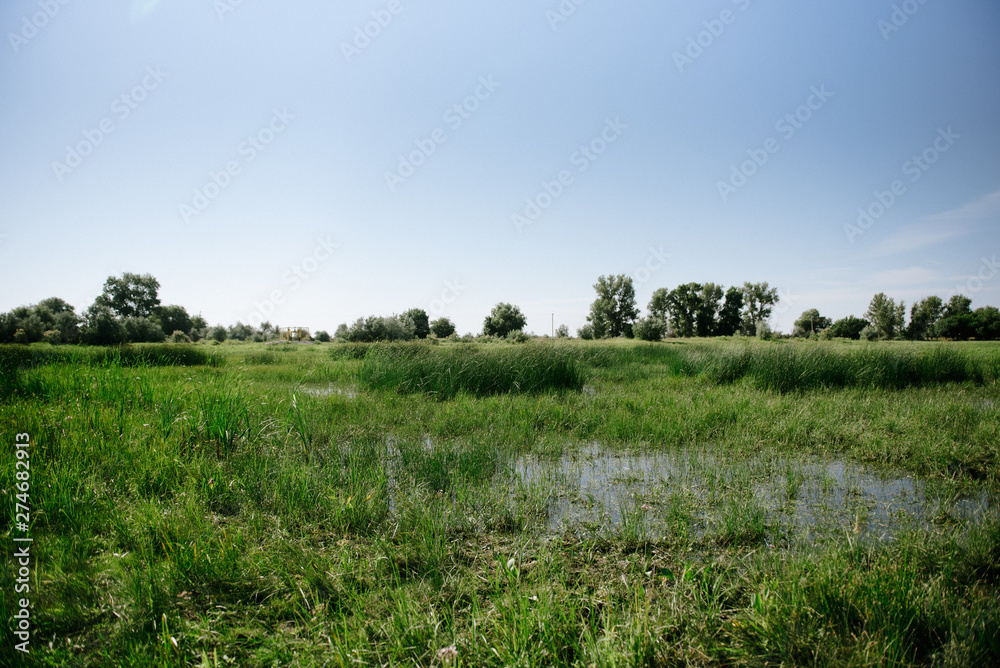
x=564 y=503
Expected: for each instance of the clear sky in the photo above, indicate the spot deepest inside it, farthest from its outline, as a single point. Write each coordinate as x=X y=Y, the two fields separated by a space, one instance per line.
x=314 y=162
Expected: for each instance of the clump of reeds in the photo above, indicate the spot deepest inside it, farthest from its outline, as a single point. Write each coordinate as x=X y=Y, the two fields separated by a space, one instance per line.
x=785 y=368
x=481 y=371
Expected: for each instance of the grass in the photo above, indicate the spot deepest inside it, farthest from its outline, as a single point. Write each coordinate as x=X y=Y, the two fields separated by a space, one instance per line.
x=480 y=371
x=225 y=513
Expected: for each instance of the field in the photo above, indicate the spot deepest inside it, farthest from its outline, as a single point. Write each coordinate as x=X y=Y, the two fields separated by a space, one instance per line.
x=703 y=503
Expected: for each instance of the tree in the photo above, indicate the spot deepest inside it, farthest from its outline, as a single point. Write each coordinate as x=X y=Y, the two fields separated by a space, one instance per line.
x=131 y=296
x=614 y=310
x=199 y=327
x=683 y=303
x=173 y=319
x=377 y=328
x=810 y=322
x=143 y=330
x=418 y=318
x=924 y=314
x=322 y=336
x=443 y=328
x=848 y=328
x=218 y=333
x=956 y=327
x=586 y=332
x=729 y=314
x=758 y=303
x=957 y=305
x=706 y=314
x=987 y=323
x=562 y=332
x=101 y=327
x=503 y=319
x=651 y=328
x=886 y=316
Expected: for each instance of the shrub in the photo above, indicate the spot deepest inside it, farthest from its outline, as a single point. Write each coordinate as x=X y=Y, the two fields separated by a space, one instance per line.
x=322 y=336
x=179 y=337
x=443 y=328
x=868 y=333
x=143 y=330
x=218 y=334
x=649 y=329
x=586 y=332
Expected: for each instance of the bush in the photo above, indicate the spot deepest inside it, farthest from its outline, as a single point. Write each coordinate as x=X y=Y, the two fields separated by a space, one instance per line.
x=848 y=328
x=586 y=332
x=443 y=328
x=218 y=334
x=179 y=337
x=322 y=336
x=377 y=328
x=649 y=329
x=868 y=333
x=143 y=330
x=482 y=371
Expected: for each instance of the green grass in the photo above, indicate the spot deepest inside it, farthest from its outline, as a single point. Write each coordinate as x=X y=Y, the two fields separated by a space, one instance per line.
x=300 y=506
x=444 y=372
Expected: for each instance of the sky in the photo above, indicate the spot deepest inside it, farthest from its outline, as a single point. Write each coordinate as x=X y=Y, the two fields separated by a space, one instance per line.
x=309 y=162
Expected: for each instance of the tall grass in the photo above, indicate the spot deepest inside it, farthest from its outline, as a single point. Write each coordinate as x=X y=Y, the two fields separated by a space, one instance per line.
x=481 y=371
x=153 y=354
x=788 y=367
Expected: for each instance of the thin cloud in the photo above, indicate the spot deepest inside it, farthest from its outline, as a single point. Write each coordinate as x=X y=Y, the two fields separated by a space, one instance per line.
x=939 y=228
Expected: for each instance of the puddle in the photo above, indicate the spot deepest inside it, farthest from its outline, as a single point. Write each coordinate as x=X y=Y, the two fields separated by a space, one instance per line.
x=696 y=492
x=327 y=391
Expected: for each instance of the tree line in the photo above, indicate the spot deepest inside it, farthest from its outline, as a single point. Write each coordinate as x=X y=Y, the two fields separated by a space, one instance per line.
x=128 y=310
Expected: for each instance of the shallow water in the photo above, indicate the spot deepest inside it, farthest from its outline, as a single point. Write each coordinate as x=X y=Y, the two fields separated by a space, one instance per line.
x=319 y=391
x=697 y=492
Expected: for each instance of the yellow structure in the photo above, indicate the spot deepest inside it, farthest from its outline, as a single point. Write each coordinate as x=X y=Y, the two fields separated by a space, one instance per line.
x=293 y=334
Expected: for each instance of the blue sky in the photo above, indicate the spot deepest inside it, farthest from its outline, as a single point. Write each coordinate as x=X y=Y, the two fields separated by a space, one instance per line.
x=267 y=159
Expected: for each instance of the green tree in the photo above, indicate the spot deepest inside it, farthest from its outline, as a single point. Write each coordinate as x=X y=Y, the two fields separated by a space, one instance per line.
x=810 y=322
x=586 y=332
x=443 y=328
x=562 y=332
x=924 y=314
x=683 y=303
x=886 y=316
x=420 y=321
x=987 y=323
x=758 y=304
x=614 y=310
x=707 y=313
x=101 y=327
x=957 y=305
x=503 y=319
x=729 y=314
x=143 y=330
x=218 y=333
x=173 y=319
x=848 y=328
x=131 y=295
